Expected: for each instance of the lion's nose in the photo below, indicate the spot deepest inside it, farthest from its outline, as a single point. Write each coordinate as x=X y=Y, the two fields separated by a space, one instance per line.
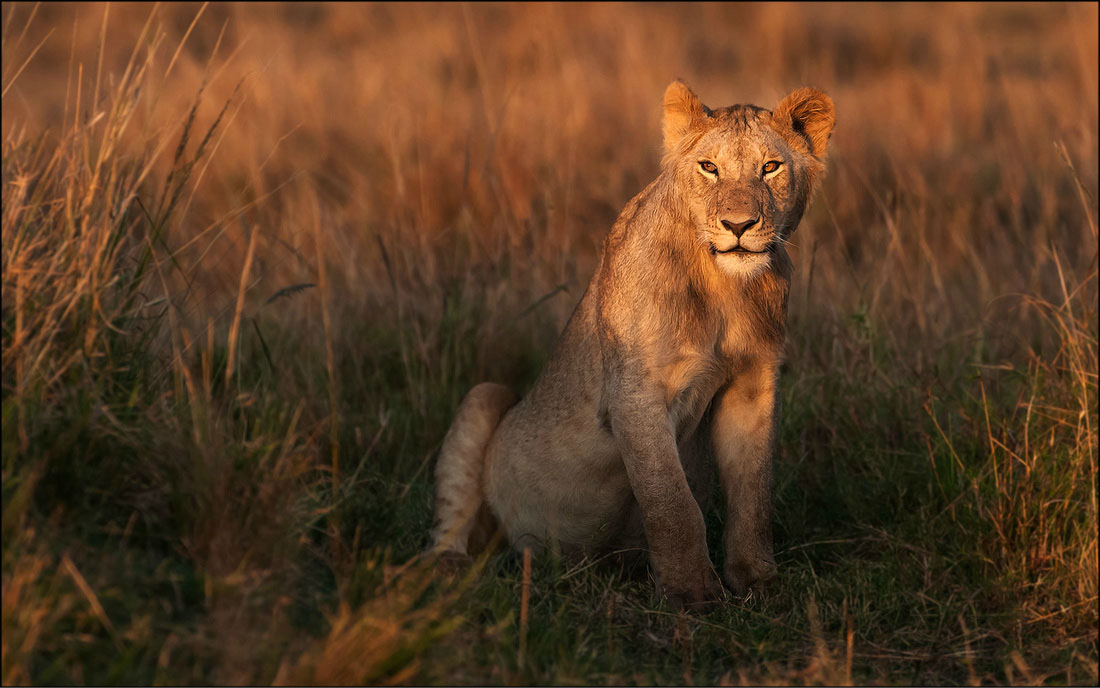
x=739 y=227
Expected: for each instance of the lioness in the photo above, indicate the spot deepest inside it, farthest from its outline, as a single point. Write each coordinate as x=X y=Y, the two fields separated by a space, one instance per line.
x=666 y=368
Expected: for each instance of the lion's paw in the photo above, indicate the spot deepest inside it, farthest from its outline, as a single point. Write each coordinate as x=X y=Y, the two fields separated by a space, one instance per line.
x=740 y=576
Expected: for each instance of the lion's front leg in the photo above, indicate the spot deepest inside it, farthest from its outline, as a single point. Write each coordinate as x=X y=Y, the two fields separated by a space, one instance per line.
x=673 y=522
x=744 y=431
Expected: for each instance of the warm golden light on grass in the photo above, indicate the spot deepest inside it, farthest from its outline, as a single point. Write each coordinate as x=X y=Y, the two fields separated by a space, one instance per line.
x=253 y=256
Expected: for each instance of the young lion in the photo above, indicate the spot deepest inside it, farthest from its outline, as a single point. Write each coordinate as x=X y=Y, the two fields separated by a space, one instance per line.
x=666 y=368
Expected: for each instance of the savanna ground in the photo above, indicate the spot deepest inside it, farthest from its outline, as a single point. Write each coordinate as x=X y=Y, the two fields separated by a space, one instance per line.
x=214 y=473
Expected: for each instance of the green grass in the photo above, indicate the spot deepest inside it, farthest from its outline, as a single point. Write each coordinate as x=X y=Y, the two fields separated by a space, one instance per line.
x=893 y=564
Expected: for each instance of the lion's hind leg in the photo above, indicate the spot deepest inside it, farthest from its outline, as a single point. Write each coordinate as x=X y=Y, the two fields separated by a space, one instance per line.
x=463 y=522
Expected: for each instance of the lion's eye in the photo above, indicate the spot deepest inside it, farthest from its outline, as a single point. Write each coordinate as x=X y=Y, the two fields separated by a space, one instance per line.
x=708 y=167
x=771 y=166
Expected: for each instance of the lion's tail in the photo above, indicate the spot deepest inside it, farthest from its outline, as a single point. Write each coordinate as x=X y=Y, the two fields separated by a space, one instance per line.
x=460 y=510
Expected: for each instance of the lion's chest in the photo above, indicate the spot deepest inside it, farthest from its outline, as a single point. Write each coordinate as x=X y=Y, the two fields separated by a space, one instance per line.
x=691 y=377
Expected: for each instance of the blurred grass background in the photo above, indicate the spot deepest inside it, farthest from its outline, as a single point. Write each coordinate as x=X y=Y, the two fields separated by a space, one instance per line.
x=254 y=255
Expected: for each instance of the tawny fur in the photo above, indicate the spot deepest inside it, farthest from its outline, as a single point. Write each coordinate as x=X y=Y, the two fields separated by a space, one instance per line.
x=460 y=472
x=667 y=368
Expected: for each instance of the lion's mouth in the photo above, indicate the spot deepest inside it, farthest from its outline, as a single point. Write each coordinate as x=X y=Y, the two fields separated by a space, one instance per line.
x=736 y=249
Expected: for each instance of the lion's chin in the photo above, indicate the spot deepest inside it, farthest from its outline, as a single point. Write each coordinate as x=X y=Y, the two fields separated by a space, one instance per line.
x=741 y=263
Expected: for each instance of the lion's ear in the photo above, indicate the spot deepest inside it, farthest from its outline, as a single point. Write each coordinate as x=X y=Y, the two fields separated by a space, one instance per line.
x=682 y=110
x=809 y=113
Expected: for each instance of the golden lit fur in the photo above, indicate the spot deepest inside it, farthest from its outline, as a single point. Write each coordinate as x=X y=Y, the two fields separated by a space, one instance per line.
x=666 y=370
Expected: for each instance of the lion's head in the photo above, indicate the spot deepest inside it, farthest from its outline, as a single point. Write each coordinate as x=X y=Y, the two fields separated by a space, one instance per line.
x=745 y=173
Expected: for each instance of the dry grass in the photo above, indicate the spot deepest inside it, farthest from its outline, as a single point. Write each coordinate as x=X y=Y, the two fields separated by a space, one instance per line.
x=254 y=255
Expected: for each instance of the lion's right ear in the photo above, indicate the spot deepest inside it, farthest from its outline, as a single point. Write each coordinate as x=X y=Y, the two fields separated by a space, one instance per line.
x=682 y=110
